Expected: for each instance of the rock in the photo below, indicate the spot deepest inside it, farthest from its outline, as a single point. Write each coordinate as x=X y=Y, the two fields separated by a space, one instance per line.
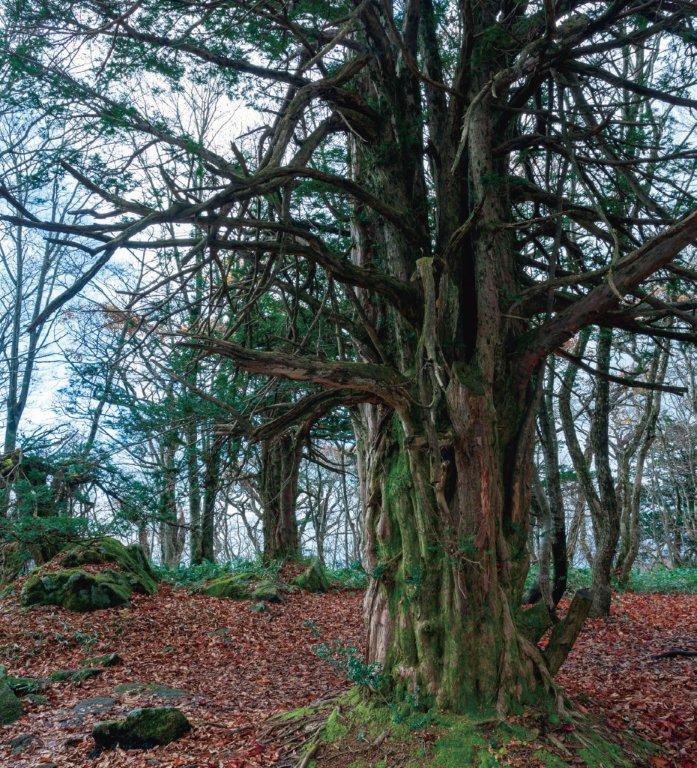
x=141 y=729
x=78 y=590
x=23 y=686
x=73 y=675
x=10 y=705
x=243 y=586
x=130 y=560
x=95 y=705
x=21 y=742
x=152 y=689
x=313 y=578
x=266 y=591
x=236 y=586
x=106 y=660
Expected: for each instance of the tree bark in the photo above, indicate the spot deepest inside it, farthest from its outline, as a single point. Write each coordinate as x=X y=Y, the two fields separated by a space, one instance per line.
x=280 y=463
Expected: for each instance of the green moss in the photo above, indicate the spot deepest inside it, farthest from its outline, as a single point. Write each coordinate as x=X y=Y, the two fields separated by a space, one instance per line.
x=131 y=560
x=549 y=759
x=313 y=578
x=267 y=591
x=141 y=729
x=334 y=729
x=236 y=586
x=73 y=675
x=462 y=741
x=298 y=714
x=77 y=590
x=10 y=706
x=23 y=686
x=105 y=660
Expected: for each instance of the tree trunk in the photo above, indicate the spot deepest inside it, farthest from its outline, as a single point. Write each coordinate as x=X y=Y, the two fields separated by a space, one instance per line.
x=446 y=549
x=555 y=530
x=211 y=487
x=280 y=463
x=608 y=523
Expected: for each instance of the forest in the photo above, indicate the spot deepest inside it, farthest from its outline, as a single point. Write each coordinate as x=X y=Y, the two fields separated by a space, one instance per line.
x=348 y=383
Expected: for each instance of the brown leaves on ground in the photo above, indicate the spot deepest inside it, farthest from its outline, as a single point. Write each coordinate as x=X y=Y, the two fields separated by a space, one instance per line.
x=612 y=672
x=229 y=668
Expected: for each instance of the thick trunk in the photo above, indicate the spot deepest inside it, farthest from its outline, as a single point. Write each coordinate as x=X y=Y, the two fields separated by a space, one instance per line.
x=446 y=550
x=280 y=462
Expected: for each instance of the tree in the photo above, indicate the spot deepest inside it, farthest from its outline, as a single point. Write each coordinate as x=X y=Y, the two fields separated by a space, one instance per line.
x=415 y=175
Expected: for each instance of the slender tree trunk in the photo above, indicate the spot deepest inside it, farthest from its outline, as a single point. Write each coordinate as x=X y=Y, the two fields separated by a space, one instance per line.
x=211 y=488
x=171 y=530
x=280 y=464
x=608 y=528
x=555 y=531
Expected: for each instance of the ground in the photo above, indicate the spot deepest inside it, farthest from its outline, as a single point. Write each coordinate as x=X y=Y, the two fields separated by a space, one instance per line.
x=229 y=666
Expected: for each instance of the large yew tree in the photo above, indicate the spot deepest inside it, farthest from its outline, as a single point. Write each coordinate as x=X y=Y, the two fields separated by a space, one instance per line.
x=427 y=181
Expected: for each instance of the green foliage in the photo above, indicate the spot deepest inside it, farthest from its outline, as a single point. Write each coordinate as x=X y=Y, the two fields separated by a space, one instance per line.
x=195 y=575
x=351 y=577
x=659 y=580
x=349 y=661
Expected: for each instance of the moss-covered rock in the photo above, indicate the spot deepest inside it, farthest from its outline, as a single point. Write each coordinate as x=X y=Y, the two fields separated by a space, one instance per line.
x=77 y=590
x=24 y=686
x=142 y=729
x=236 y=586
x=10 y=706
x=243 y=586
x=313 y=578
x=105 y=660
x=131 y=561
x=266 y=591
x=81 y=590
x=73 y=675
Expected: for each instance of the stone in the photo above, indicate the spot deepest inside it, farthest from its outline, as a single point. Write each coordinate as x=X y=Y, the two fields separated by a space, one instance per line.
x=106 y=660
x=73 y=675
x=236 y=586
x=21 y=742
x=266 y=591
x=313 y=578
x=10 y=705
x=141 y=729
x=76 y=589
x=152 y=689
x=95 y=705
x=23 y=686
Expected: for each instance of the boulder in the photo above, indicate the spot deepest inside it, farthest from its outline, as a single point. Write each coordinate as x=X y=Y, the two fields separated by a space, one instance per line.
x=141 y=729
x=313 y=578
x=131 y=561
x=243 y=586
x=77 y=589
x=10 y=706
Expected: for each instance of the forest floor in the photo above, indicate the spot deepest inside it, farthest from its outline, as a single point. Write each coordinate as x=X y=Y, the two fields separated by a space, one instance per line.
x=228 y=668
